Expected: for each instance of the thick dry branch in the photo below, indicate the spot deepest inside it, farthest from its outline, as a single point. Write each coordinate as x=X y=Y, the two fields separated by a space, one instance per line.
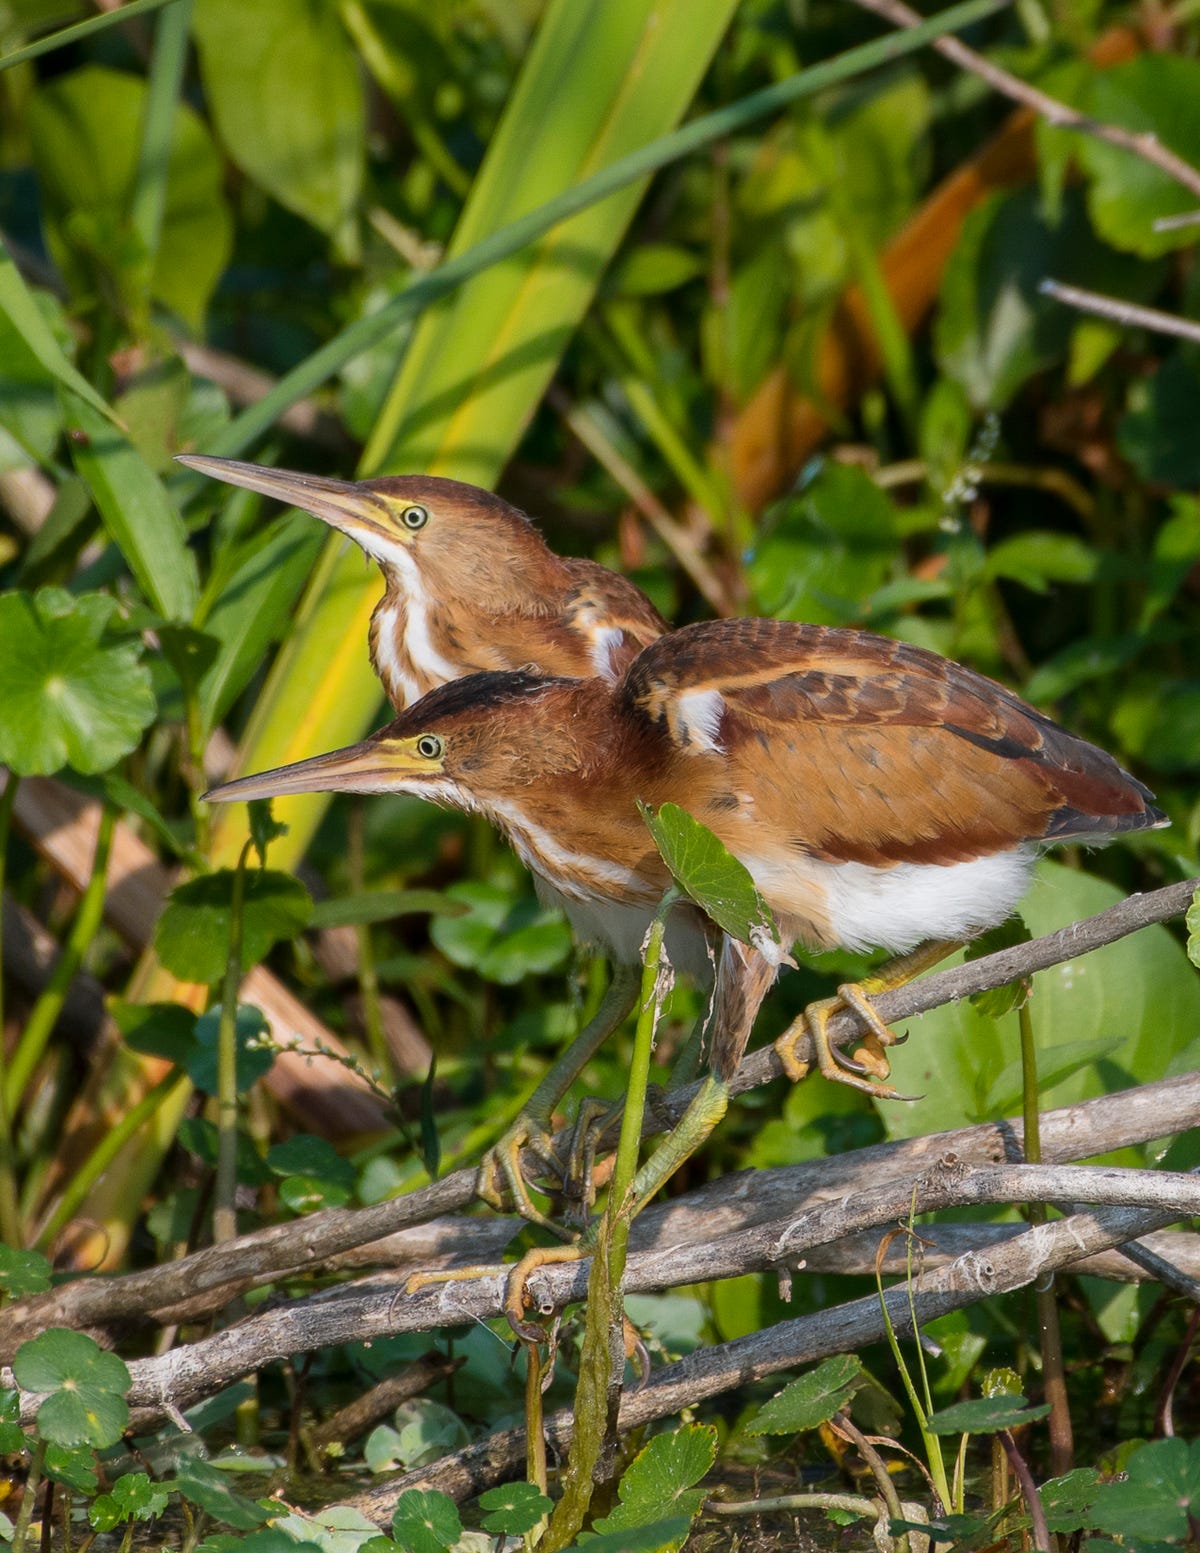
x=382 y=1307
x=283 y=1250
x=1030 y=1256
x=1059 y=114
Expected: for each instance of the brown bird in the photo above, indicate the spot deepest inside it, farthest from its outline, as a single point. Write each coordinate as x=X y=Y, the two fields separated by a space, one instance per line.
x=881 y=797
x=469 y=583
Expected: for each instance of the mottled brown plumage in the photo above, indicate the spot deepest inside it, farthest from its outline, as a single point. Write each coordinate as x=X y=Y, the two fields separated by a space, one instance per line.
x=469 y=583
x=880 y=795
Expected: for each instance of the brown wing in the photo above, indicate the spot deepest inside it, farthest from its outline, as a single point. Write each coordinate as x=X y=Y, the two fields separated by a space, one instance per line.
x=865 y=749
x=612 y=614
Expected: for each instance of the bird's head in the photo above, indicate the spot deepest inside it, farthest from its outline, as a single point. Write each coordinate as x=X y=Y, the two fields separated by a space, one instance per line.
x=440 y=537
x=480 y=743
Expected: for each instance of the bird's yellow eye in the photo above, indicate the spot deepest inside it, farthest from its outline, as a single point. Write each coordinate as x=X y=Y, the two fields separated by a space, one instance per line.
x=415 y=517
x=430 y=746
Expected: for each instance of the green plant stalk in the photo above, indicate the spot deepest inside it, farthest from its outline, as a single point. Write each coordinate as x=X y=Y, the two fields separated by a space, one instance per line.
x=46 y=1010
x=1054 y=1376
x=921 y=1411
x=149 y=200
x=32 y=1484
x=110 y=1145
x=603 y=1322
x=225 y=1190
x=10 y=1212
x=79 y=31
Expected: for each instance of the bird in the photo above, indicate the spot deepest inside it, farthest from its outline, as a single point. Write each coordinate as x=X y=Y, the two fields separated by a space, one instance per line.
x=469 y=583
x=881 y=797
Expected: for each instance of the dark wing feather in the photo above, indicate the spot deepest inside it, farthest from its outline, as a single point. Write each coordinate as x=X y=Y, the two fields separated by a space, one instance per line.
x=867 y=749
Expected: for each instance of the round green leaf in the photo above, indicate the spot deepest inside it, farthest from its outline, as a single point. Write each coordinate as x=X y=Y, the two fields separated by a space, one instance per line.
x=83 y=1417
x=61 y=1359
x=70 y=697
x=192 y=937
x=514 y=1508
x=426 y=1521
x=74 y=1466
x=23 y=1272
x=502 y=937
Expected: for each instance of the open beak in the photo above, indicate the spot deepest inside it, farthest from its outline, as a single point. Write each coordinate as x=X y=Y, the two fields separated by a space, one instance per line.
x=354 y=509
x=374 y=766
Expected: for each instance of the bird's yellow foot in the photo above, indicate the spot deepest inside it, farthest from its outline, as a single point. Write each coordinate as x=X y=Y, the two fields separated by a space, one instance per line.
x=867 y=1068
x=516 y=1292
x=500 y=1180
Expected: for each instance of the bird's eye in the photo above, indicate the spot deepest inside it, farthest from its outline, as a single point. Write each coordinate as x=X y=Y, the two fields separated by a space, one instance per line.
x=415 y=517
x=430 y=746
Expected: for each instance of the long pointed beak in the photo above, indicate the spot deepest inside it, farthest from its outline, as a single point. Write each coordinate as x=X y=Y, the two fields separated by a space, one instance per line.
x=354 y=509
x=370 y=767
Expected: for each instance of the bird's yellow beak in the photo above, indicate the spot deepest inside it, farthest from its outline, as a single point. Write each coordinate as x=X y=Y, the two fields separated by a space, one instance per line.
x=377 y=765
x=354 y=509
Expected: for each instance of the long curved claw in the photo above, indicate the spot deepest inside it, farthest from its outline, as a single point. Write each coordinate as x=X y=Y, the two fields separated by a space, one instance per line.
x=516 y=1299
x=870 y=1057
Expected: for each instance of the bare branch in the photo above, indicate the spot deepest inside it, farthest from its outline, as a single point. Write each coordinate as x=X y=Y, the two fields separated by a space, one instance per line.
x=208 y=1279
x=1034 y=1254
x=1059 y=114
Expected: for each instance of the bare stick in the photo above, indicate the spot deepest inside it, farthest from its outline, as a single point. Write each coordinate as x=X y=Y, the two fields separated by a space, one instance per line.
x=381 y=1307
x=1131 y=315
x=1060 y=114
x=305 y=1245
x=709 y=1371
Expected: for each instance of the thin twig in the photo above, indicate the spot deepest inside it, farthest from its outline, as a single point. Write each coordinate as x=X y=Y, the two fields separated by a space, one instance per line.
x=1130 y=315
x=1059 y=114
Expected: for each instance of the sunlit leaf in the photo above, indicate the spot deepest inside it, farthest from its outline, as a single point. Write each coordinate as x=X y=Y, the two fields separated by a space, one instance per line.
x=711 y=875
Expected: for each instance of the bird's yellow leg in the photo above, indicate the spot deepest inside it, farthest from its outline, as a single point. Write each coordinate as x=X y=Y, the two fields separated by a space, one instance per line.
x=500 y=1168
x=856 y=995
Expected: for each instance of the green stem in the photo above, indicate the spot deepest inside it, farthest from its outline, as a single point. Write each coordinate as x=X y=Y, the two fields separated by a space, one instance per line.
x=1054 y=1375
x=10 y=1213
x=162 y=97
x=79 y=31
x=32 y=1484
x=225 y=1190
x=695 y=136
x=194 y=771
x=46 y=1010
x=110 y=1145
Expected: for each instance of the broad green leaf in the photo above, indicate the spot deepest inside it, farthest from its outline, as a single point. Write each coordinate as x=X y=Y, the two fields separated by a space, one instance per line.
x=1066 y=1500
x=1193 y=930
x=286 y=95
x=822 y=552
x=192 y=937
x=811 y=1399
x=25 y=317
x=23 y=1272
x=71 y=696
x=711 y=875
x=166 y=1030
x=502 y=937
x=85 y=129
x=85 y=1404
x=1037 y=557
x=204 y=1485
x=514 y=1508
x=74 y=1465
x=12 y=1436
x=426 y=1521
x=253 y=1056
x=1140 y=990
x=139 y=515
x=304 y=1155
x=1160 y=1496
x=662 y=1478
x=1157 y=94
x=986 y=1415
x=663 y=1536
